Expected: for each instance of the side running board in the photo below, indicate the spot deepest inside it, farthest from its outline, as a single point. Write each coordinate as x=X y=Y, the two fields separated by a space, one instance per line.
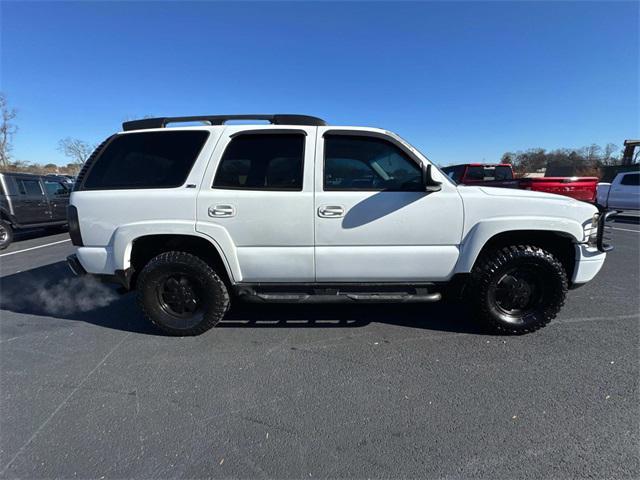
x=348 y=293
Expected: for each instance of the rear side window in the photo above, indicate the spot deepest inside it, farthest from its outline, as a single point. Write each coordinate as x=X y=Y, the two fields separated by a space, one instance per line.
x=631 y=179
x=262 y=162
x=146 y=160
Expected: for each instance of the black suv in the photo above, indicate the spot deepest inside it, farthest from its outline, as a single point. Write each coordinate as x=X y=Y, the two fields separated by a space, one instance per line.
x=28 y=200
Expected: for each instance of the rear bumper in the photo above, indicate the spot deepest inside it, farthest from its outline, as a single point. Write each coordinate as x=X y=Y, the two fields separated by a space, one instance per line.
x=120 y=277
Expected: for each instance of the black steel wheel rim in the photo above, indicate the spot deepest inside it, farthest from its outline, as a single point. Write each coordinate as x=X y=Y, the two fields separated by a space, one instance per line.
x=179 y=296
x=519 y=292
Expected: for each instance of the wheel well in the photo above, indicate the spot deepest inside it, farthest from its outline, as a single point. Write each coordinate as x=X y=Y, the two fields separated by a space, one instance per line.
x=560 y=245
x=147 y=247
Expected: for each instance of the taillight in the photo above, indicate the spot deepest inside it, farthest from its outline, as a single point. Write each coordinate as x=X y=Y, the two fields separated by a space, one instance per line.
x=74 y=226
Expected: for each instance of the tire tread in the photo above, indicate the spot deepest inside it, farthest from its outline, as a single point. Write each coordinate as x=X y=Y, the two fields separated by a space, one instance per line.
x=211 y=318
x=491 y=262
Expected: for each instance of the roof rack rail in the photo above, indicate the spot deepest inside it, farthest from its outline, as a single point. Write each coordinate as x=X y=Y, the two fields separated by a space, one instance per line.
x=275 y=119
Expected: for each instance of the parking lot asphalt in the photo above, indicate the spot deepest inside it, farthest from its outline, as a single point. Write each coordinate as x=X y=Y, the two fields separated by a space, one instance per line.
x=88 y=389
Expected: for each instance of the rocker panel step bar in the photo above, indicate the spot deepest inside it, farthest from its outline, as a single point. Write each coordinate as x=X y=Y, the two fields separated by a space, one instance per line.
x=343 y=293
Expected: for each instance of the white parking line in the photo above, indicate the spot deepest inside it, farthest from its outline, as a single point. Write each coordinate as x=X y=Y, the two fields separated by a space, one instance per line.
x=625 y=230
x=34 y=248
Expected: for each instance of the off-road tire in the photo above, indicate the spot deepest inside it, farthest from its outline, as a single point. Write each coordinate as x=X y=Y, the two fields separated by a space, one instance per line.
x=214 y=296
x=6 y=234
x=494 y=265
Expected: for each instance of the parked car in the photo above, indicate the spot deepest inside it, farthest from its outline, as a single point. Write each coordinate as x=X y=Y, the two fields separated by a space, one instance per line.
x=300 y=211
x=623 y=193
x=67 y=179
x=28 y=200
x=501 y=175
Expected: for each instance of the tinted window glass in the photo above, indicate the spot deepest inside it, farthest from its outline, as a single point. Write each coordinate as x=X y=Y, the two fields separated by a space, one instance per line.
x=503 y=173
x=262 y=162
x=455 y=172
x=478 y=172
x=146 y=160
x=367 y=163
x=29 y=187
x=55 y=188
x=631 y=179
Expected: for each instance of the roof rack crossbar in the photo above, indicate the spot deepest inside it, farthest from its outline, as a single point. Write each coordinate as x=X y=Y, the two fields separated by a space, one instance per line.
x=275 y=119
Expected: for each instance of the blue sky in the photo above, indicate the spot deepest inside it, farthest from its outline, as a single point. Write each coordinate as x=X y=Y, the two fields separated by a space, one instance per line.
x=461 y=81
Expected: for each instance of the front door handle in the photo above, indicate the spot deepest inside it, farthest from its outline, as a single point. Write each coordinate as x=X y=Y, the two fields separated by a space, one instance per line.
x=331 y=211
x=222 y=211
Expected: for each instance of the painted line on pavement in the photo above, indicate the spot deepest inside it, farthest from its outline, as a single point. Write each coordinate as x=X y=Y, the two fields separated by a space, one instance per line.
x=34 y=248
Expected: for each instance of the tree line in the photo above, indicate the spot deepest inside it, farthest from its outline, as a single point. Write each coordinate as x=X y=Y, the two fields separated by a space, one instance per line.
x=585 y=161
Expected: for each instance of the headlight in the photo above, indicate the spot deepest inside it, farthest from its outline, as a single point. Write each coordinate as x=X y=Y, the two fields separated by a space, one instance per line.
x=591 y=231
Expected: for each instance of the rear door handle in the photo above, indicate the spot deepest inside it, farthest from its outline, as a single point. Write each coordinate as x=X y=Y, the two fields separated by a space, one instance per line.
x=331 y=211
x=222 y=211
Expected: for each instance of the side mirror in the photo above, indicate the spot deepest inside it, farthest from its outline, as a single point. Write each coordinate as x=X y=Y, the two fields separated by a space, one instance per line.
x=430 y=185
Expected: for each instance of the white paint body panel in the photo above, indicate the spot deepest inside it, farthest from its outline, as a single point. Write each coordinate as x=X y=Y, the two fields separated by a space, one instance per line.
x=589 y=261
x=386 y=236
x=490 y=211
x=278 y=236
x=271 y=231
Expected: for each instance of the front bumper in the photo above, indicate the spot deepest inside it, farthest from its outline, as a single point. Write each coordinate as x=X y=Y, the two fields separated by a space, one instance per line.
x=589 y=261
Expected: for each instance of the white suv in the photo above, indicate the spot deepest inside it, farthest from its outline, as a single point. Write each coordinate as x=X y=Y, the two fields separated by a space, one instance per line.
x=299 y=211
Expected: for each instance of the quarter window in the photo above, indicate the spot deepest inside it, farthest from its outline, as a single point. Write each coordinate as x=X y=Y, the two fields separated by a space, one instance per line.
x=366 y=163
x=262 y=162
x=146 y=160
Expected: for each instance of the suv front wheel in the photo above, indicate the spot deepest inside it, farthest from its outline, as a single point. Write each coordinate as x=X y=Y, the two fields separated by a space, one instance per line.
x=518 y=289
x=181 y=294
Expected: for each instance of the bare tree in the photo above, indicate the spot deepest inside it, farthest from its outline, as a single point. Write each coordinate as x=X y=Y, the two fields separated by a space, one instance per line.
x=7 y=130
x=77 y=150
x=609 y=156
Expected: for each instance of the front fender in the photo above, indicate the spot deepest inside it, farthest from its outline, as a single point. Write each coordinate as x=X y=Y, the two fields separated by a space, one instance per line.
x=478 y=236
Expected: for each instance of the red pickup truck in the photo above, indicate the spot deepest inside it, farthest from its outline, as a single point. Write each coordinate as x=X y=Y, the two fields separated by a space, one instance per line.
x=501 y=175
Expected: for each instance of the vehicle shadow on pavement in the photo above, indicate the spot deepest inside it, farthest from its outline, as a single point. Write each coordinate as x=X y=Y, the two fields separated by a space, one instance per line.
x=52 y=291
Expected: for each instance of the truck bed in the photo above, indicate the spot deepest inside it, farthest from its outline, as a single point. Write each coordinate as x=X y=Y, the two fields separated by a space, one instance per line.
x=580 y=188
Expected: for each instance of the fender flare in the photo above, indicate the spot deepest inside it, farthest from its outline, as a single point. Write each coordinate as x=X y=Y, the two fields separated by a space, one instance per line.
x=482 y=232
x=124 y=236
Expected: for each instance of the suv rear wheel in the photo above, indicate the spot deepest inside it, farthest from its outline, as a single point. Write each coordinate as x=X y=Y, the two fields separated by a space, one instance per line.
x=518 y=289
x=6 y=234
x=181 y=294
